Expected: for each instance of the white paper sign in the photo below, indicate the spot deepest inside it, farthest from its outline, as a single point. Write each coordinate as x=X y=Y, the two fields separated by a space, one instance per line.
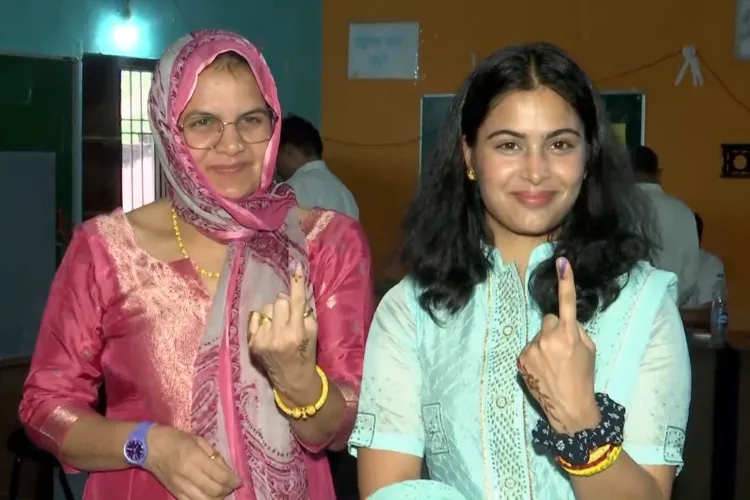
x=384 y=51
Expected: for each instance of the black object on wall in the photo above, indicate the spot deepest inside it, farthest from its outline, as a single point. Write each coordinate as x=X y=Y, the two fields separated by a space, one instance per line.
x=735 y=162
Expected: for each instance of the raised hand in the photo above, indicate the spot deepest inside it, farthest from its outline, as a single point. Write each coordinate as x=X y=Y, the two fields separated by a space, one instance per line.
x=557 y=366
x=188 y=466
x=283 y=337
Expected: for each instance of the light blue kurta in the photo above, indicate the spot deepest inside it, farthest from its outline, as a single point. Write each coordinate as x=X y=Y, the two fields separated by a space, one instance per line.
x=451 y=393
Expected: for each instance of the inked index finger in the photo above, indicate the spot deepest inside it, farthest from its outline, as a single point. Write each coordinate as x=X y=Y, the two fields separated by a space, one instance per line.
x=297 y=294
x=566 y=292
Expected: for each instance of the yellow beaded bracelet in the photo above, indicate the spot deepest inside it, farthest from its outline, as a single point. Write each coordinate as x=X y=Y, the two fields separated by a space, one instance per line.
x=602 y=464
x=305 y=412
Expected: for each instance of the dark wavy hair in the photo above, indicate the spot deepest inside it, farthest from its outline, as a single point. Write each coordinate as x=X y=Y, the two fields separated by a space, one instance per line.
x=606 y=233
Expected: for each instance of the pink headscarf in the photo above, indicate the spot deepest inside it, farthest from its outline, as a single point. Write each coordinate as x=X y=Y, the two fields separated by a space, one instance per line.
x=233 y=404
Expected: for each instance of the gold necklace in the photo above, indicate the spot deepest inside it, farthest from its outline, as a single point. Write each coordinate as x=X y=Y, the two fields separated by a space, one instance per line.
x=203 y=272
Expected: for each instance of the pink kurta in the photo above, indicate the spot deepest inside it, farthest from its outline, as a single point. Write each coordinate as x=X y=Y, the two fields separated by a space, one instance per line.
x=119 y=316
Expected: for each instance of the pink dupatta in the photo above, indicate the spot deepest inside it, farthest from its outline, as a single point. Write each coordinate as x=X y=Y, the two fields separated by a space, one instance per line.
x=233 y=403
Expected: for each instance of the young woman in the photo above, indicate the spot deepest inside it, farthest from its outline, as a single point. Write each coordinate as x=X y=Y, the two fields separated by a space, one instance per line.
x=226 y=324
x=531 y=352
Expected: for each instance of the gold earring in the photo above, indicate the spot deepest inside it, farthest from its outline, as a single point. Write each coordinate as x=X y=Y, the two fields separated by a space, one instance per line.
x=471 y=174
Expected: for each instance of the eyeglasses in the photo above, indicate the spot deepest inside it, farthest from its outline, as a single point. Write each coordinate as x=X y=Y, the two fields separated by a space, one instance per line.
x=205 y=131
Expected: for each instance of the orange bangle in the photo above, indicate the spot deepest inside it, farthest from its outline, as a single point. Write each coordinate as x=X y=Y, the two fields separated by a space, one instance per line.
x=595 y=458
x=600 y=464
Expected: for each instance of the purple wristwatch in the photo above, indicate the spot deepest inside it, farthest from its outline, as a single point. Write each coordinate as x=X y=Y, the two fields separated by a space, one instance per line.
x=136 y=449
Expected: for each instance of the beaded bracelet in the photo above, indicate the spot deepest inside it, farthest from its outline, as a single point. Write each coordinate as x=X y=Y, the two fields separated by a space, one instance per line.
x=576 y=449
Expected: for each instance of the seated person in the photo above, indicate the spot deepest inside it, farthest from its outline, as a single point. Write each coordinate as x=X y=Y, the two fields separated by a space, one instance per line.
x=698 y=313
x=709 y=267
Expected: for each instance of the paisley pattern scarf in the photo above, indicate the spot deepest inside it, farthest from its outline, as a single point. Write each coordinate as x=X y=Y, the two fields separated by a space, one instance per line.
x=232 y=402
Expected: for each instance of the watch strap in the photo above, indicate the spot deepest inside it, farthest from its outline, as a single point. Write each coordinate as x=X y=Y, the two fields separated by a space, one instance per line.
x=136 y=447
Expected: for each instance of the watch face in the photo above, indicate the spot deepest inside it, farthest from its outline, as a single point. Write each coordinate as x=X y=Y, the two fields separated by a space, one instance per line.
x=135 y=451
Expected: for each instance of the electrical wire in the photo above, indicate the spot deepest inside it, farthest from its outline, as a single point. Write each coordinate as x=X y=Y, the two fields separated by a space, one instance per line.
x=616 y=76
x=723 y=85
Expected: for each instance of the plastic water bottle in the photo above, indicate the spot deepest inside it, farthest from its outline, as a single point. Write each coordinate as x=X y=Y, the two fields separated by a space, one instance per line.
x=719 y=314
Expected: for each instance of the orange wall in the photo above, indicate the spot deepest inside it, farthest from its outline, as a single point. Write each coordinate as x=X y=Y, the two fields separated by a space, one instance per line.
x=685 y=124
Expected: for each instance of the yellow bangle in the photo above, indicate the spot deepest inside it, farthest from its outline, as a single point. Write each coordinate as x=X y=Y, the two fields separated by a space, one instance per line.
x=603 y=465
x=305 y=412
x=595 y=456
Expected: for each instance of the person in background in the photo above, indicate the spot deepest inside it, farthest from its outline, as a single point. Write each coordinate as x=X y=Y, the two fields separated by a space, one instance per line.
x=678 y=250
x=226 y=324
x=300 y=163
x=708 y=268
x=532 y=352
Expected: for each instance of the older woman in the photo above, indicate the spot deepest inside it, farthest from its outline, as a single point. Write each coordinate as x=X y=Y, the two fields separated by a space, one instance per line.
x=532 y=353
x=226 y=324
